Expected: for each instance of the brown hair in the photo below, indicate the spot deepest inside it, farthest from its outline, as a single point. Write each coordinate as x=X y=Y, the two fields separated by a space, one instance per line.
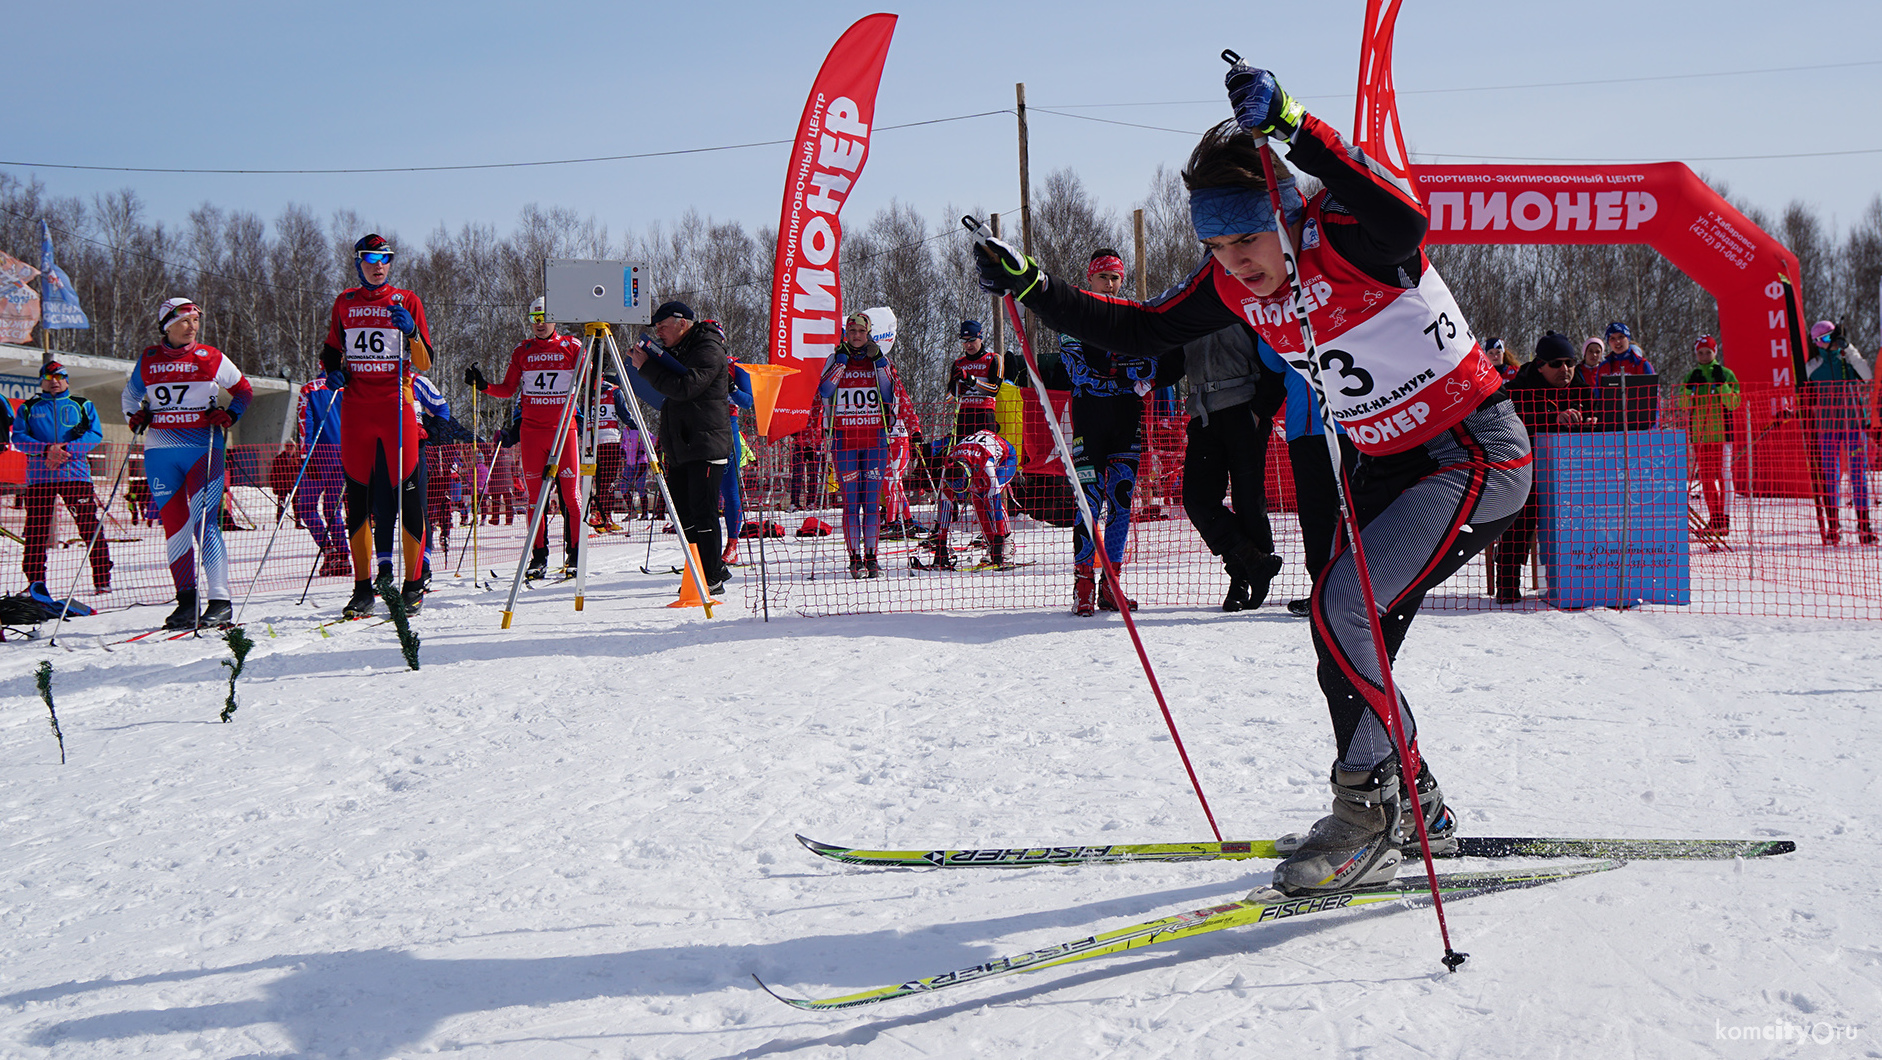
x=1229 y=156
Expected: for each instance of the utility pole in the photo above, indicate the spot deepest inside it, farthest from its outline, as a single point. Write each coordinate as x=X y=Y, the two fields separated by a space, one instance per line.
x=999 y=325
x=1137 y=225
x=1025 y=188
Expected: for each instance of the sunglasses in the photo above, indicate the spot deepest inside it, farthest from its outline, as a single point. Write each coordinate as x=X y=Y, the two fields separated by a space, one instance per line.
x=537 y=318
x=376 y=257
x=1564 y=362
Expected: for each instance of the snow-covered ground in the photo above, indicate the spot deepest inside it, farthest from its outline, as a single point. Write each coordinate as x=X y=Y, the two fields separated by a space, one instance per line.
x=574 y=838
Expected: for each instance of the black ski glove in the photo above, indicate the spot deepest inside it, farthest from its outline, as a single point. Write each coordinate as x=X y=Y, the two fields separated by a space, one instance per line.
x=474 y=376
x=1004 y=270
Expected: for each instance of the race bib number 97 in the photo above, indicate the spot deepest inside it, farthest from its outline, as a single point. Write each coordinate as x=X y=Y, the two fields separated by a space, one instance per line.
x=176 y=405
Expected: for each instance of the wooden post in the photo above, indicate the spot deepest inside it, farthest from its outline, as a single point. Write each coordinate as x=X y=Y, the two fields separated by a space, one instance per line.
x=1137 y=224
x=1025 y=191
x=998 y=318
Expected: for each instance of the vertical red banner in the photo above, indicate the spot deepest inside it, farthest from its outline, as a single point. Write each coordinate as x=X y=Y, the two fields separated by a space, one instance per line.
x=826 y=159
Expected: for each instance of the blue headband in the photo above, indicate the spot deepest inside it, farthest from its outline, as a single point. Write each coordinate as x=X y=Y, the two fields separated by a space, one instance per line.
x=1238 y=211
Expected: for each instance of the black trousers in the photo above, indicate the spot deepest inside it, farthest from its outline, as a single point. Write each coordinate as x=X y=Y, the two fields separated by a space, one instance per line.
x=695 y=486
x=1317 y=495
x=1229 y=457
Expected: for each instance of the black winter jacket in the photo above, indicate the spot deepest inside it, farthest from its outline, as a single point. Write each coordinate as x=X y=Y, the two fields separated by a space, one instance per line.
x=695 y=422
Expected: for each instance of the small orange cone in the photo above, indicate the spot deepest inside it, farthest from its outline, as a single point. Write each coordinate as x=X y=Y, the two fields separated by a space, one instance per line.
x=765 y=381
x=689 y=593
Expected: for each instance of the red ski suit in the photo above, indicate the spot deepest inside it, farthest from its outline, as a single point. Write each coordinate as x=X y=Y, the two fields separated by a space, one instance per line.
x=543 y=372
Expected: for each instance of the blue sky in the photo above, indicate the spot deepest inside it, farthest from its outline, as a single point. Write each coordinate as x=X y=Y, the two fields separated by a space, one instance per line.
x=231 y=85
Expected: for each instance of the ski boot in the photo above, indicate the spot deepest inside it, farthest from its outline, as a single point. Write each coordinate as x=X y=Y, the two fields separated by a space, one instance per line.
x=1084 y=592
x=996 y=552
x=1833 y=527
x=856 y=565
x=1865 y=534
x=1440 y=822
x=730 y=556
x=362 y=601
x=943 y=555
x=184 y=617
x=217 y=613
x=1237 y=597
x=1107 y=602
x=336 y=563
x=1359 y=844
x=538 y=565
x=1301 y=608
x=871 y=569
x=570 y=560
x=413 y=595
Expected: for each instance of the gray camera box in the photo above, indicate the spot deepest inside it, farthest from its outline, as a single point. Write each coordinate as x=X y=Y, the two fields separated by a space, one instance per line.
x=577 y=291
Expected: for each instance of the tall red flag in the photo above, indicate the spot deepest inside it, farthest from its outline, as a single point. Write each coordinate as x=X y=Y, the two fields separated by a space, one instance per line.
x=826 y=159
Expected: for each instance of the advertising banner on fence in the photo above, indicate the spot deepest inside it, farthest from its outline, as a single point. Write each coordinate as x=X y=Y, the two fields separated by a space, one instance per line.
x=827 y=157
x=19 y=303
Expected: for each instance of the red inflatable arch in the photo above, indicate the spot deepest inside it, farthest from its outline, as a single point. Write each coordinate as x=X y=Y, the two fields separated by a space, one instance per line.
x=1663 y=205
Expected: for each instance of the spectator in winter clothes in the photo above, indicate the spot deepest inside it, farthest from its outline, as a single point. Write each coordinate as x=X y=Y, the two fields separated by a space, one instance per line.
x=1550 y=402
x=1837 y=376
x=1231 y=406
x=687 y=365
x=1709 y=394
x=1504 y=358
x=1592 y=350
x=1624 y=358
x=56 y=429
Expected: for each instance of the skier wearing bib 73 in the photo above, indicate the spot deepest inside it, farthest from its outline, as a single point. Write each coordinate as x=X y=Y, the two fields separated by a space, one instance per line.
x=1444 y=462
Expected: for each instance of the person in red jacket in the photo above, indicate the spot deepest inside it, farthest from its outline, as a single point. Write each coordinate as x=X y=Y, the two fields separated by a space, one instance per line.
x=974 y=381
x=1444 y=462
x=376 y=338
x=543 y=371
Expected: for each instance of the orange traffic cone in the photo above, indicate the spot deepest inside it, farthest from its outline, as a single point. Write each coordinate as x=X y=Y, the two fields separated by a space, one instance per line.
x=689 y=591
x=765 y=381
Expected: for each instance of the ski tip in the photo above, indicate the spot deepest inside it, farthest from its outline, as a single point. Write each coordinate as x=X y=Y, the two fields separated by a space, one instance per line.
x=823 y=849
x=1780 y=846
x=794 y=1002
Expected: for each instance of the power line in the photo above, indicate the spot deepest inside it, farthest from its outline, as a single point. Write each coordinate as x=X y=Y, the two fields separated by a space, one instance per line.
x=480 y=165
x=1503 y=88
x=1512 y=158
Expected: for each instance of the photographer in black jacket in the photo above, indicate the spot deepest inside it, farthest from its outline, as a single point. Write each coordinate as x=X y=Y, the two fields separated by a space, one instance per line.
x=685 y=362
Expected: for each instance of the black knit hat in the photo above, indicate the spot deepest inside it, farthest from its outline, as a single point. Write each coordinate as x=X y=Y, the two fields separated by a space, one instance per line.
x=1554 y=346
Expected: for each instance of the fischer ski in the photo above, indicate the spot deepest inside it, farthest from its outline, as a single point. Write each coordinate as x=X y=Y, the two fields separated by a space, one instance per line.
x=1263 y=907
x=1467 y=847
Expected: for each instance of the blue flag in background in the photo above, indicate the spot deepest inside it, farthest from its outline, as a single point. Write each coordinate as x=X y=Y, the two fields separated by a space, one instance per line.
x=59 y=306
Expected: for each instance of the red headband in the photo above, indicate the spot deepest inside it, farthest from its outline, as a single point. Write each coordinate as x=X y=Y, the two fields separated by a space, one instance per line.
x=1108 y=263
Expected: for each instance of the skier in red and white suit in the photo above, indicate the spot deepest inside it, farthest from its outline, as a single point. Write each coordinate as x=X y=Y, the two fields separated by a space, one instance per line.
x=976 y=470
x=1444 y=462
x=543 y=370
x=376 y=338
x=898 y=519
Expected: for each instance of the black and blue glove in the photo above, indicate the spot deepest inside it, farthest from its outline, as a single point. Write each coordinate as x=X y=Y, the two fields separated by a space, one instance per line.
x=1004 y=270
x=402 y=319
x=1261 y=105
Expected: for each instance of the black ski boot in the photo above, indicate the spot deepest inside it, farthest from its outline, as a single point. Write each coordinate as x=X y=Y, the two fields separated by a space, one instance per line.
x=538 y=565
x=1237 y=597
x=856 y=564
x=1300 y=608
x=1258 y=569
x=943 y=555
x=413 y=594
x=871 y=569
x=361 y=604
x=184 y=617
x=996 y=552
x=217 y=613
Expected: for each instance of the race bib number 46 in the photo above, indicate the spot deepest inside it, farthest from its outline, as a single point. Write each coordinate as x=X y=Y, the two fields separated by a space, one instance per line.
x=373 y=349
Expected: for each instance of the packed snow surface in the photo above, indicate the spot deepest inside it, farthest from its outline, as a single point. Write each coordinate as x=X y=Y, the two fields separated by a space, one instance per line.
x=574 y=837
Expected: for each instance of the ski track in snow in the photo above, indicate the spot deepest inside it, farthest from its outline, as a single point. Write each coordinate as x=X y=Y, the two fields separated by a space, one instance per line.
x=574 y=838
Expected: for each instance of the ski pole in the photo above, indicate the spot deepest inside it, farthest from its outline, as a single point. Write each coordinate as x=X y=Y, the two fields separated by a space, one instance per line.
x=85 y=562
x=1395 y=722
x=202 y=514
x=285 y=508
x=981 y=235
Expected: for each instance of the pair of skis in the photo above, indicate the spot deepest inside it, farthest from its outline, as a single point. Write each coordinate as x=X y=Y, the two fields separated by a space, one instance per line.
x=1263 y=906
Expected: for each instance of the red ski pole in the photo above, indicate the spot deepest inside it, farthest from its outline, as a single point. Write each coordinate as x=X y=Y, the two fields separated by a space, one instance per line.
x=1394 y=722
x=1097 y=535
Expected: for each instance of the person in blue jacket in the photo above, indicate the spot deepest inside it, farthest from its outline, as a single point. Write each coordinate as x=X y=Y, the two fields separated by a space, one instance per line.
x=57 y=429
x=731 y=496
x=320 y=503
x=1316 y=497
